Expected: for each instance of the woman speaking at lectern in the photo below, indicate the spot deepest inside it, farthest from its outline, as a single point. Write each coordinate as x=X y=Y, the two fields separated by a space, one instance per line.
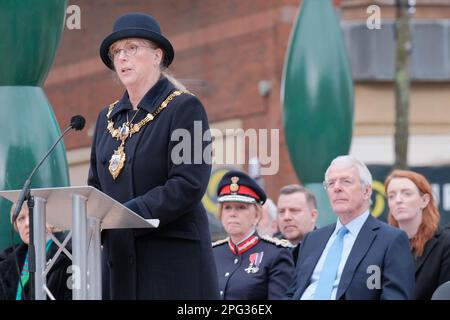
x=134 y=160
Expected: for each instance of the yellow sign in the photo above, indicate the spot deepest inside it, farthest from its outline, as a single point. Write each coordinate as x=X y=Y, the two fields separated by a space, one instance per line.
x=380 y=200
x=210 y=198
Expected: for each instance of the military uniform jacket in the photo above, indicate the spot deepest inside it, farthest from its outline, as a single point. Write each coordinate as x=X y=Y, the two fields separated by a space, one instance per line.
x=260 y=268
x=174 y=261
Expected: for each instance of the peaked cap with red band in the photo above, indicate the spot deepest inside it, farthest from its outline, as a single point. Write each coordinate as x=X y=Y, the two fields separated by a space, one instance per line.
x=236 y=186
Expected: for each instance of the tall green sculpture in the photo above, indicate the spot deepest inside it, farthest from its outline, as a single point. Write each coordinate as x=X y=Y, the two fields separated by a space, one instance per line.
x=317 y=97
x=30 y=34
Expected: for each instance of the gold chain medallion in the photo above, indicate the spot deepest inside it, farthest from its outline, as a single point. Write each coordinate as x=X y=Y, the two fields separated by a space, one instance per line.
x=117 y=161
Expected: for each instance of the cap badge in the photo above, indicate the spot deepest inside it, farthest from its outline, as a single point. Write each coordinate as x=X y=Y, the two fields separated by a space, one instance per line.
x=234 y=187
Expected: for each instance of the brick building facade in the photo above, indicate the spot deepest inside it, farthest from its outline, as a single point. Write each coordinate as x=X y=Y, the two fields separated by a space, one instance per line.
x=226 y=52
x=223 y=49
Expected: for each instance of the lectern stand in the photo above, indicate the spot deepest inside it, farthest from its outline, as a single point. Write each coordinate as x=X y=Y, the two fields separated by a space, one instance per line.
x=84 y=212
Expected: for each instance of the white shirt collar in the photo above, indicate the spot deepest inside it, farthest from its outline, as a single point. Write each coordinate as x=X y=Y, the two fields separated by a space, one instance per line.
x=355 y=225
x=248 y=236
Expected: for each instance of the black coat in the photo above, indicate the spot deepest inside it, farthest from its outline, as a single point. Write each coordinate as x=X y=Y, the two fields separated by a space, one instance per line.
x=174 y=261
x=56 y=278
x=433 y=266
x=270 y=281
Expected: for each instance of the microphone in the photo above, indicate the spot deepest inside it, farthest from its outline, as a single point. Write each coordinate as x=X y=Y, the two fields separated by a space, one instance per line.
x=76 y=122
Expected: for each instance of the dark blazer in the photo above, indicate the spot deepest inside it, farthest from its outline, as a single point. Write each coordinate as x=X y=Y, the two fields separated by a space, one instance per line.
x=56 y=278
x=295 y=251
x=433 y=266
x=271 y=281
x=174 y=261
x=377 y=244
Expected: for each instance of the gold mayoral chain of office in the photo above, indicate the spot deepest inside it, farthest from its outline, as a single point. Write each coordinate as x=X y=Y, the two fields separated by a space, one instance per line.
x=122 y=133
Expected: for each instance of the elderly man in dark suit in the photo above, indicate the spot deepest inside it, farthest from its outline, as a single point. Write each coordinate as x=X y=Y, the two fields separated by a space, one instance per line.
x=358 y=257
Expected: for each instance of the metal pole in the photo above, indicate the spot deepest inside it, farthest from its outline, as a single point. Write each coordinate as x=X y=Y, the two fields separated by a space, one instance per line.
x=79 y=247
x=94 y=261
x=39 y=244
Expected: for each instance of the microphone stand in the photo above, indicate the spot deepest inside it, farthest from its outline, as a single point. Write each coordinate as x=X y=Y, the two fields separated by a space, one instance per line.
x=31 y=249
x=26 y=195
x=77 y=123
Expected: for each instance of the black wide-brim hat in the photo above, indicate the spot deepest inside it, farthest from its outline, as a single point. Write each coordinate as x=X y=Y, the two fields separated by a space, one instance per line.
x=136 y=25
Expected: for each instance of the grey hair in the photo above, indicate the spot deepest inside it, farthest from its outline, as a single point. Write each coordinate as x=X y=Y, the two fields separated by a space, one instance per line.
x=271 y=209
x=163 y=68
x=348 y=161
x=177 y=83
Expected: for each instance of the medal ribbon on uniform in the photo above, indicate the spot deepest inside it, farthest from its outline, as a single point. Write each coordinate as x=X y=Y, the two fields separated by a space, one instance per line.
x=259 y=257
x=255 y=260
x=122 y=133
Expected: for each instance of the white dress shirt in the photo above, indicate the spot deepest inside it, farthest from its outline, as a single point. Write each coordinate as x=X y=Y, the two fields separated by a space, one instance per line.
x=353 y=227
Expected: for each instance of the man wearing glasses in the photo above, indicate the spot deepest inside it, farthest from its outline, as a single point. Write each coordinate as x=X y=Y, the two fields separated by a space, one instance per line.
x=358 y=257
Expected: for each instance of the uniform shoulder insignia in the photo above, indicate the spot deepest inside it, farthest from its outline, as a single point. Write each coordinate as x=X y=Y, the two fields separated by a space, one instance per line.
x=219 y=242
x=278 y=242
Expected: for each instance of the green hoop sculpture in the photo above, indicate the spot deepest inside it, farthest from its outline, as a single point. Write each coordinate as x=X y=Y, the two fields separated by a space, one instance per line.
x=317 y=97
x=31 y=31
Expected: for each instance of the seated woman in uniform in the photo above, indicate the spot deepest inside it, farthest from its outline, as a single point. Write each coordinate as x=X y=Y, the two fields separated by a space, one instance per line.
x=250 y=267
x=57 y=278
